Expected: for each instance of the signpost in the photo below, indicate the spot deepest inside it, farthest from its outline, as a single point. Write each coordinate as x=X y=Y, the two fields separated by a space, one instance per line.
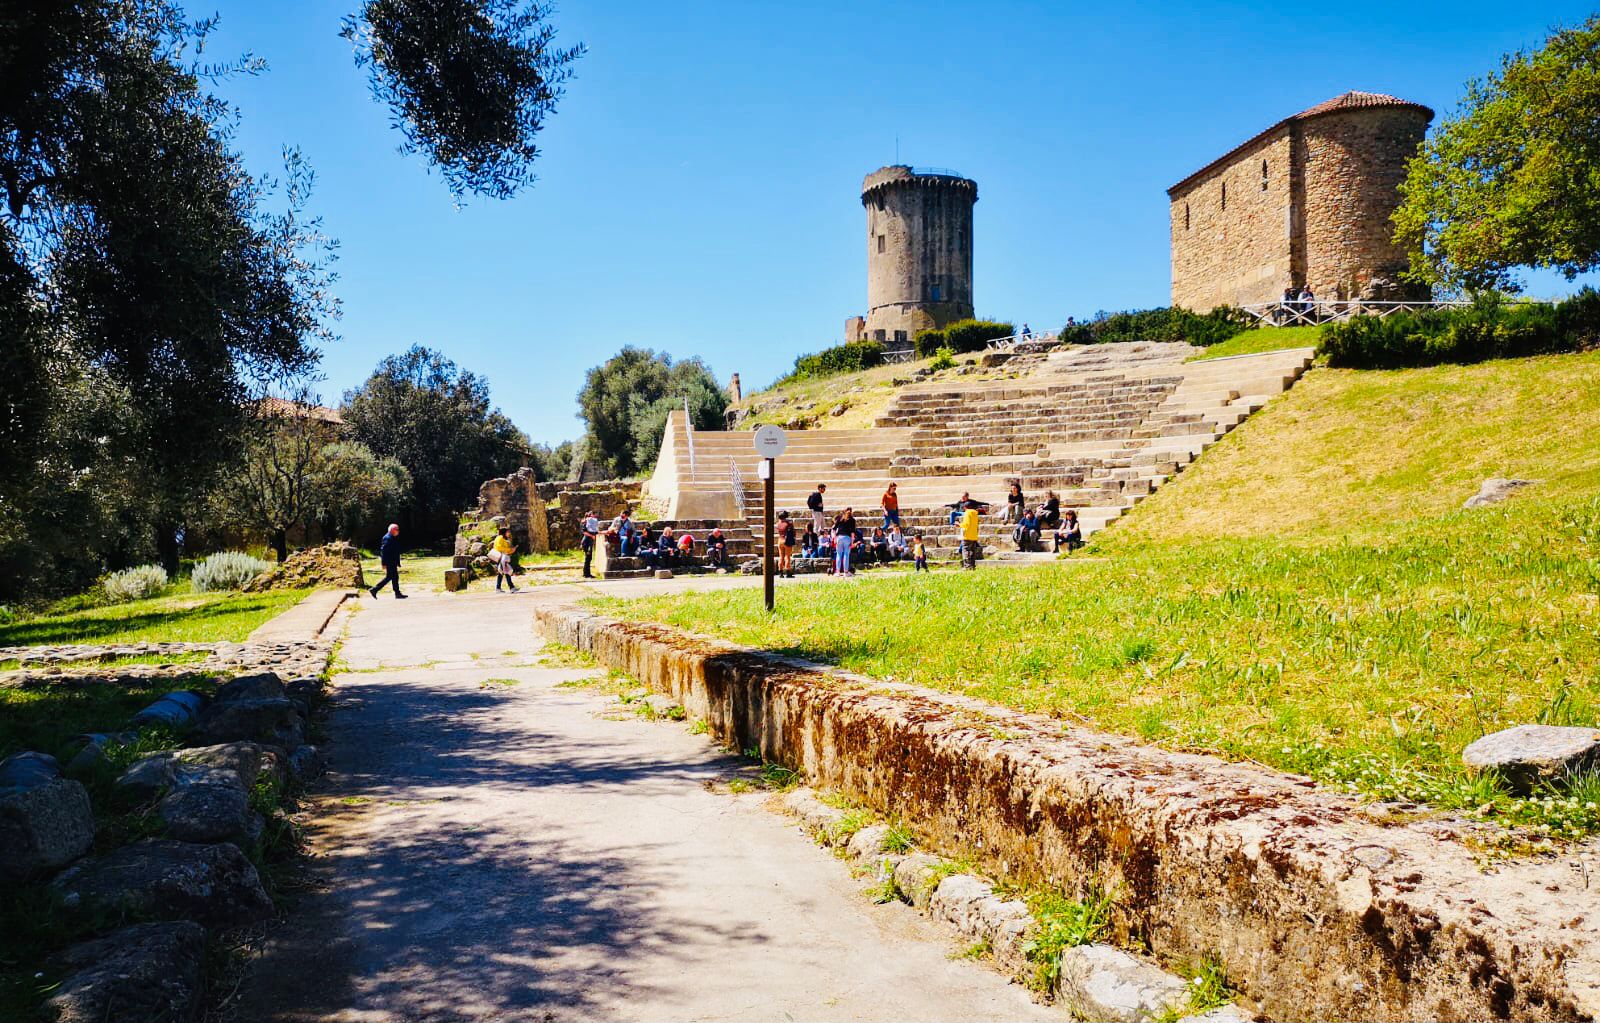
x=769 y=443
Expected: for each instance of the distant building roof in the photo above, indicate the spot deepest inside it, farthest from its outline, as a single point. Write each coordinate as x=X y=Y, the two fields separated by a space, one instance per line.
x=1348 y=101
x=285 y=407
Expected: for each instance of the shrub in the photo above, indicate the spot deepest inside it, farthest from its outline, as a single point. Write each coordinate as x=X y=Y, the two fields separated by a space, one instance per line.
x=943 y=358
x=227 y=570
x=849 y=357
x=1165 y=324
x=962 y=336
x=134 y=583
x=1490 y=328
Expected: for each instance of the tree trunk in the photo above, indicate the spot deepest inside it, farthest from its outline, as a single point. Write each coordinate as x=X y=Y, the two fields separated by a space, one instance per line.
x=167 y=546
x=280 y=544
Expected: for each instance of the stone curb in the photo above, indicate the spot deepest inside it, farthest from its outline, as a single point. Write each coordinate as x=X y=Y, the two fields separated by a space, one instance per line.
x=1317 y=908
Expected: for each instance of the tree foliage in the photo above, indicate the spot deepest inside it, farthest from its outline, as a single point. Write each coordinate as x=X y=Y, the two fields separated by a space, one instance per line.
x=1512 y=178
x=436 y=420
x=626 y=400
x=470 y=82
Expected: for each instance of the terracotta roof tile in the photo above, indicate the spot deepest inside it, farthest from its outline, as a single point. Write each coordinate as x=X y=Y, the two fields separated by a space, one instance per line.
x=284 y=407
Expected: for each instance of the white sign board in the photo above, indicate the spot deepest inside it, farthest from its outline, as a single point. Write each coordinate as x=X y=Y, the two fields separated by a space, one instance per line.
x=763 y=469
x=770 y=441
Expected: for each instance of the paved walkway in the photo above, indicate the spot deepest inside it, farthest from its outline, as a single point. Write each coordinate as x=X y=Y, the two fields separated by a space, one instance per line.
x=491 y=851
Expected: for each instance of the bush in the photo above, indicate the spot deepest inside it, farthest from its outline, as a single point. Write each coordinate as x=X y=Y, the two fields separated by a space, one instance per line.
x=944 y=358
x=227 y=570
x=1165 y=324
x=962 y=336
x=1490 y=328
x=849 y=357
x=134 y=583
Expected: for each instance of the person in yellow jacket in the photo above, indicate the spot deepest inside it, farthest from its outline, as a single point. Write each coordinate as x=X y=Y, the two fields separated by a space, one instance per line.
x=969 y=537
x=504 y=547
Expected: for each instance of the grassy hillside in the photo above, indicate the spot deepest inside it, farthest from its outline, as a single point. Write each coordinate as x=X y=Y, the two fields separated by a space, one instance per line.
x=1352 y=451
x=849 y=401
x=1309 y=595
x=1263 y=339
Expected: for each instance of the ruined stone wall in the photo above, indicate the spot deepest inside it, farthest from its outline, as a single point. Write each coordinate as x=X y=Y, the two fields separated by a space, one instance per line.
x=1239 y=252
x=515 y=500
x=567 y=503
x=1354 y=163
x=919 y=252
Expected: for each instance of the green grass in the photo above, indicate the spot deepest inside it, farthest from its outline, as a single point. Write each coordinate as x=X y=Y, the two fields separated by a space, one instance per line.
x=178 y=618
x=1062 y=923
x=1263 y=339
x=1365 y=663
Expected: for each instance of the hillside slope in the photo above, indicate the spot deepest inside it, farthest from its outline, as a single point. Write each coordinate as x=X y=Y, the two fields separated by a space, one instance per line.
x=1348 y=452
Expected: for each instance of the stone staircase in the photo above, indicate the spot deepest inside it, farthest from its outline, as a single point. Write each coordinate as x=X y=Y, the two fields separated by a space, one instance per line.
x=742 y=547
x=1104 y=426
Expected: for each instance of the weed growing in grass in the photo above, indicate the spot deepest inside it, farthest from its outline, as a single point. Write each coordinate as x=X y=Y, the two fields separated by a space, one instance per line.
x=776 y=776
x=1062 y=923
x=1208 y=989
x=505 y=683
x=886 y=891
x=740 y=785
x=980 y=949
x=898 y=839
x=842 y=830
x=560 y=655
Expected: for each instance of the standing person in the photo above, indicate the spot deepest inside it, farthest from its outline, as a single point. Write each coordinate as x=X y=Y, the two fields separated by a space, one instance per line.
x=1014 y=503
x=969 y=537
x=919 y=555
x=891 y=506
x=389 y=555
x=1026 y=330
x=591 y=536
x=844 y=536
x=785 y=538
x=504 y=547
x=814 y=502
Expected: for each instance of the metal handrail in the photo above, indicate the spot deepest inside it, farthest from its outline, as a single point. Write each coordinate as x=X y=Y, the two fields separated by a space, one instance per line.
x=688 y=428
x=736 y=480
x=1287 y=312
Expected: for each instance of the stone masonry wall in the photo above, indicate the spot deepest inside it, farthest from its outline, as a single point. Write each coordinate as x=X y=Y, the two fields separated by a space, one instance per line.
x=569 y=501
x=1319 y=215
x=919 y=245
x=1354 y=163
x=1238 y=253
x=516 y=498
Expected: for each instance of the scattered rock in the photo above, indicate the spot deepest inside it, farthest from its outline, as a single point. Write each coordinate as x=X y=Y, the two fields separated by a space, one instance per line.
x=165 y=879
x=456 y=579
x=210 y=812
x=304 y=694
x=46 y=821
x=868 y=841
x=663 y=573
x=814 y=814
x=236 y=764
x=307 y=764
x=915 y=876
x=143 y=972
x=1495 y=490
x=1528 y=754
x=1101 y=982
x=273 y=720
x=970 y=906
x=335 y=564
x=261 y=686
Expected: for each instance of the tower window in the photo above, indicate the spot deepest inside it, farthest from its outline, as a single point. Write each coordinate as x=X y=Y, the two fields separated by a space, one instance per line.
x=1224 y=195
x=936 y=293
x=881 y=240
x=1186 y=216
x=1263 y=175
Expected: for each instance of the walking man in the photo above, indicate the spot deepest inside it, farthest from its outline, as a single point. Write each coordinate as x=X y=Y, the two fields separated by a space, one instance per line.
x=591 y=534
x=814 y=502
x=389 y=555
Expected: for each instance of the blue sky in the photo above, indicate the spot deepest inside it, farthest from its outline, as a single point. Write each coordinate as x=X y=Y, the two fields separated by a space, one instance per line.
x=699 y=186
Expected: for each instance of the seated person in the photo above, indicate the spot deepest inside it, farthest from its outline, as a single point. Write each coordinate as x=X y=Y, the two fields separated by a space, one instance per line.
x=1070 y=534
x=958 y=506
x=1027 y=532
x=859 y=550
x=809 y=542
x=1050 y=511
x=686 y=547
x=623 y=533
x=880 y=547
x=897 y=544
x=644 y=546
x=717 y=548
x=824 y=545
x=667 y=549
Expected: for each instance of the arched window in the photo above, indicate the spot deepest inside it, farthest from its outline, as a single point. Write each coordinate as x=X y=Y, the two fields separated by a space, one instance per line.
x=1263 y=175
x=1224 y=195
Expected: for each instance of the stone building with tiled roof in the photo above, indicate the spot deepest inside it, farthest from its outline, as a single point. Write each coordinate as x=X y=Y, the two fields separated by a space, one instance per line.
x=1305 y=202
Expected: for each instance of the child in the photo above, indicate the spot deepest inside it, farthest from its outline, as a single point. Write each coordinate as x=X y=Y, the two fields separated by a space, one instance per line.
x=919 y=555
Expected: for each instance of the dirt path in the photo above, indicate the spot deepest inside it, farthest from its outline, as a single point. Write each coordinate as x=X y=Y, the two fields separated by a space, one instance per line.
x=507 y=851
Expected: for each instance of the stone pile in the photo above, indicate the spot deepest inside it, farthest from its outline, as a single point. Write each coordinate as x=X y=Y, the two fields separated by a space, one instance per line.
x=336 y=564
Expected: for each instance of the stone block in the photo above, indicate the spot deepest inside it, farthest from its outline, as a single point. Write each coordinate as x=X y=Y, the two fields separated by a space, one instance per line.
x=43 y=826
x=163 y=879
x=1101 y=982
x=663 y=573
x=1495 y=491
x=236 y=764
x=274 y=721
x=210 y=812
x=144 y=972
x=455 y=579
x=1525 y=755
x=262 y=686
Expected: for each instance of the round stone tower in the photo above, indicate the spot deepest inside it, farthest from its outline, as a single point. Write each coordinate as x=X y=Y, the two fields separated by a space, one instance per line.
x=919 y=251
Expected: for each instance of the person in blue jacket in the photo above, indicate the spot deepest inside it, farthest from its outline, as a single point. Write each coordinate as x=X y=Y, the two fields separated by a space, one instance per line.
x=389 y=555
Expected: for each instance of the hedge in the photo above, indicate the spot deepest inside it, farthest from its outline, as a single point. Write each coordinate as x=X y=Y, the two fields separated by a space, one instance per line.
x=846 y=358
x=1490 y=328
x=1165 y=324
x=962 y=336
